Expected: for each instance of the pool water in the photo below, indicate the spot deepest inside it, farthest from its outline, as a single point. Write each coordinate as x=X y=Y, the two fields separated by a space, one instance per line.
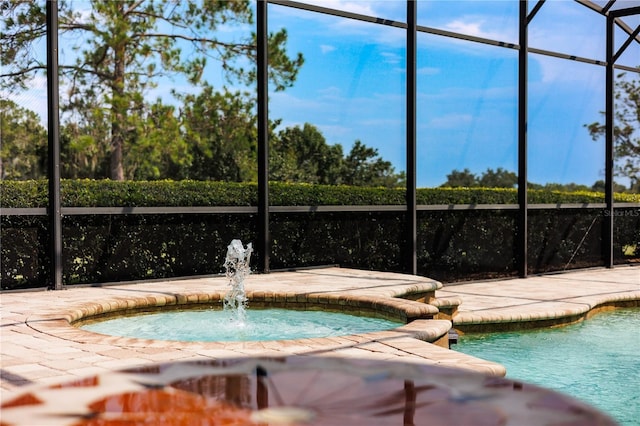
x=596 y=361
x=222 y=326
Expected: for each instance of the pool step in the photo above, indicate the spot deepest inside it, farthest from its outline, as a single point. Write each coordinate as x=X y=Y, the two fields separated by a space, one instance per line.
x=447 y=307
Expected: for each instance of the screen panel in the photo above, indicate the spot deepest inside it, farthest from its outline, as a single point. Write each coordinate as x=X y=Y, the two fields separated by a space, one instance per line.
x=565 y=97
x=466 y=245
x=493 y=19
x=351 y=87
x=570 y=28
x=467 y=112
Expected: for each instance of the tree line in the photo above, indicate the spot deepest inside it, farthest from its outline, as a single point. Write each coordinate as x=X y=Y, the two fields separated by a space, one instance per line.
x=501 y=178
x=123 y=49
x=213 y=137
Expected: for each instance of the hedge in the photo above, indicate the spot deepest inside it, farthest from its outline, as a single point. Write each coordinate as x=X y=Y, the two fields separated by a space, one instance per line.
x=453 y=245
x=108 y=193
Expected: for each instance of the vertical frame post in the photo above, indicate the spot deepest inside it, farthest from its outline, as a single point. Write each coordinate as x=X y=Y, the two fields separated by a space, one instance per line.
x=607 y=231
x=53 y=157
x=523 y=214
x=264 y=243
x=411 y=228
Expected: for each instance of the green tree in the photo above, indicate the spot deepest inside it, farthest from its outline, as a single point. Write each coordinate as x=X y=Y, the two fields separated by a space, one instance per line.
x=500 y=178
x=460 y=179
x=84 y=144
x=23 y=143
x=158 y=144
x=564 y=187
x=599 y=186
x=303 y=155
x=220 y=131
x=626 y=129
x=121 y=49
x=364 y=167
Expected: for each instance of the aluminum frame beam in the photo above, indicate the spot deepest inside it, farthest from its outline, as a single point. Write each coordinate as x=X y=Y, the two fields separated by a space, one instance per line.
x=607 y=229
x=412 y=222
x=53 y=142
x=264 y=241
x=522 y=228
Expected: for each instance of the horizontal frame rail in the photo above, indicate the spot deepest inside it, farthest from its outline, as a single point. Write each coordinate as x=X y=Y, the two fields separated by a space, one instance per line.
x=88 y=211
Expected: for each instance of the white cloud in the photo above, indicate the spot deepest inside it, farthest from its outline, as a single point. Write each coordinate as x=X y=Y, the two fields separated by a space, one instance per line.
x=475 y=26
x=332 y=131
x=585 y=44
x=563 y=70
x=343 y=27
x=359 y=7
x=331 y=92
x=382 y=122
x=294 y=103
x=450 y=121
x=391 y=58
x=325 y=48
x=428 y=71
x=379 y=34
x=472 y=28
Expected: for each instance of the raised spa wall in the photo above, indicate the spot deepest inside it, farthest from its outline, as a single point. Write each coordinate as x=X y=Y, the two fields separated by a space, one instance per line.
x=412 y=309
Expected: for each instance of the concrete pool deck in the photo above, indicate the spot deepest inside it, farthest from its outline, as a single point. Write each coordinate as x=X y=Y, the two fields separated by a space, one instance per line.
x=38 y=346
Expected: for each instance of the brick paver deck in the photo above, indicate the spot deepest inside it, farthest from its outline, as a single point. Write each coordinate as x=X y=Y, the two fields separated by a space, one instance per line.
x=38 y=345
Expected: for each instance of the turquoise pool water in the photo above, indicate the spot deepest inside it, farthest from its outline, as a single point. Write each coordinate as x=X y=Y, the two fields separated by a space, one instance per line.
x=597 y=361
x=221 y=326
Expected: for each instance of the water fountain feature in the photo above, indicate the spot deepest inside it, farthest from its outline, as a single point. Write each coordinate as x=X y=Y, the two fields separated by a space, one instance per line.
x=280 y=319
x=237 y=268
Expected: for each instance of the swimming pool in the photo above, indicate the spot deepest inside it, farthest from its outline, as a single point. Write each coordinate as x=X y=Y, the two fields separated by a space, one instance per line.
x=597 y=360
x=215 y=325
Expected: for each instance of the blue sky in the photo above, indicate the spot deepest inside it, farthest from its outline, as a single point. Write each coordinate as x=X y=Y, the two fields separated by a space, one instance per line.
x=353 y=82
x=352 y=86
